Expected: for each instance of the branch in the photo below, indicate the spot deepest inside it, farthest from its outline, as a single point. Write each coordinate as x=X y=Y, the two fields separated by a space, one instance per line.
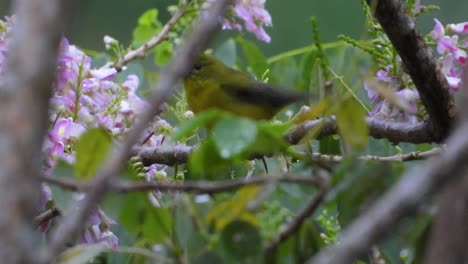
x=402 y=200
x=179 y=155
x=393 y=131
x=449 y=233
x=208 y=187
x=420 y=64
x=411 y=156
x=179 y=65
x=141 y=51
x=25 y=90
x=294 y=226
x=46 y=216
x=174 y=156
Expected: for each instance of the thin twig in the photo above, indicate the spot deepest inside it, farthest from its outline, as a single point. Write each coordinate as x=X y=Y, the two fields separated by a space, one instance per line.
x=208 y=187
x=411 y=156
x=46 y=216
x=179 y=65
x=296 y=223
x=163 y=35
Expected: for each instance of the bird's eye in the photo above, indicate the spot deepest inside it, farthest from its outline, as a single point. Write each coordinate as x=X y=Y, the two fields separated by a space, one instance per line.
x=197 y=67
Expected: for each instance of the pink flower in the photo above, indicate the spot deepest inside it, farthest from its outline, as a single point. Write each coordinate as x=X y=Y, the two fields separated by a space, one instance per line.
x=131 y=83
x=103 y=74
x=438 y=31
x=65 y=130
x=253 y=14
x=461 y=28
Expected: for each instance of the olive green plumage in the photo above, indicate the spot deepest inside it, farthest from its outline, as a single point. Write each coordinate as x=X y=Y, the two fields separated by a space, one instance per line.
x=211 y=84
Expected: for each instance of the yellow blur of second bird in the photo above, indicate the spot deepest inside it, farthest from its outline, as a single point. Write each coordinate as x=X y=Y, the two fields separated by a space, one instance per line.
x=212 y=84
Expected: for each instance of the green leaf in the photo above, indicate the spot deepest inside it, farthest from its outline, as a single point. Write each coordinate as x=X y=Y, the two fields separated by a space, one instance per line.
x=330 y=146
x=254 y=57
x=270 y=139
x=157 y=227
x=81 y=254
x=91 y=150
x=241 y=240
x=148 y=25
x=208 y=257
x=233 y=134
x=351 y=120
x=148 y=17
x=163 y=53
x=201 y=119
x=205 y=162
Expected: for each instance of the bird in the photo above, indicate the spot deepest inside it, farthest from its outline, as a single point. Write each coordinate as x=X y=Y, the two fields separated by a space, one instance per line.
x=212 y=84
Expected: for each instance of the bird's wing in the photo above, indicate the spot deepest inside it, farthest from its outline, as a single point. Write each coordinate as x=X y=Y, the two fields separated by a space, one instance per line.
x=262 y=94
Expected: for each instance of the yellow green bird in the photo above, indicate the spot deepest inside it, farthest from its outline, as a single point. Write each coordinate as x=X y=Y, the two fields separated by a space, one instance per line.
x=212 y=84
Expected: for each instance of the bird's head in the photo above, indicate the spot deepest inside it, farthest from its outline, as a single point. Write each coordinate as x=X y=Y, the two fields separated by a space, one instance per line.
x=205 y=67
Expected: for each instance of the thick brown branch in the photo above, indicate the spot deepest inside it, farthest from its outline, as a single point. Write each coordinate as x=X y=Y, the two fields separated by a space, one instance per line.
x=178 y=67
x=420 y=64
x=180 y=153
x=177 y=155
x=402 y=200
x=393 y=131
x=25 y=90
x=208 y=187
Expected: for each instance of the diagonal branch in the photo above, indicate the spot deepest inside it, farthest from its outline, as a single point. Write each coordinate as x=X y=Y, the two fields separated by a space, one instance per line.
x=294 y=226
x=178 y=66
x=25 y=90
x=402 y=200
x=163 y=35
x=420 y=64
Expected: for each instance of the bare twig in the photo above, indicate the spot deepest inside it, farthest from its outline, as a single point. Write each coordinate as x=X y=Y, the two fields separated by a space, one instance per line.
x=416 y=155
x=46 y=216
x=178 y=67
x=420 y=64
x=402 y=200
x=208 y=187
x=296 y=223
x=24 y=100
x=163 y=35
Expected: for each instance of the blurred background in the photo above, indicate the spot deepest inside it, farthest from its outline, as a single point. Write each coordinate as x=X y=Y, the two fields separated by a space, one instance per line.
x=291 y=27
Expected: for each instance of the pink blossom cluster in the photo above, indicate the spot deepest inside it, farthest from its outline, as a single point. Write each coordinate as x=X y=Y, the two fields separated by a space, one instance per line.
x=384 y=109
x=253 y=14
x=87 y=98
x=452 y=50
x=452 y=55
x=84 y=98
